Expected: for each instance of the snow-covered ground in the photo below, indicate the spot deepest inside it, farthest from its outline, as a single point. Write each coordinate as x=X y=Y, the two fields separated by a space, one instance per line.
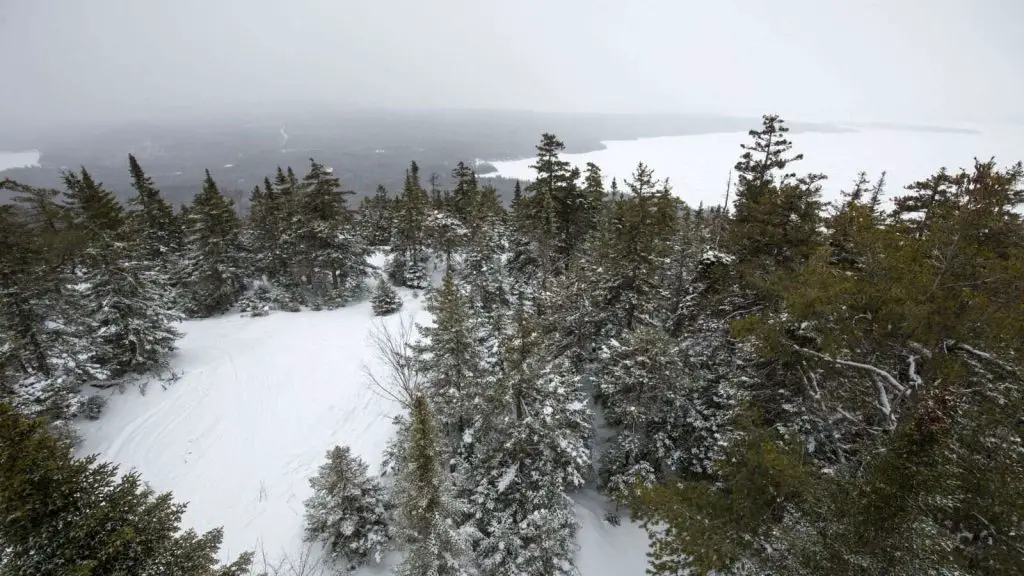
x=18 y=159
x=259 y=402
x=698 y=165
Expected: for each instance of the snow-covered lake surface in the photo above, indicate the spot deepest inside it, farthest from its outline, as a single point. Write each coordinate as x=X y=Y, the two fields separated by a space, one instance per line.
x=18 y=159
x=698 y=165
x=259 y=402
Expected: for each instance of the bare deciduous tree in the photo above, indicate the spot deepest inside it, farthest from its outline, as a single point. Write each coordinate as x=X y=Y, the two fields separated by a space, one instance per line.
x=399 y=380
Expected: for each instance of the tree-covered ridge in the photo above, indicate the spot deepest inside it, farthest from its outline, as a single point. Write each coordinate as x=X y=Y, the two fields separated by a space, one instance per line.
x=778 y=386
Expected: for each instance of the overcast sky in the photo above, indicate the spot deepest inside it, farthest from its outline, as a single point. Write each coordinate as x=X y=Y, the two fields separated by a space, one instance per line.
x=893 y=60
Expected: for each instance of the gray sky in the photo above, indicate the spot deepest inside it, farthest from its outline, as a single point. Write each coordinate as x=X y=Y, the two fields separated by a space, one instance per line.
x=895 y=60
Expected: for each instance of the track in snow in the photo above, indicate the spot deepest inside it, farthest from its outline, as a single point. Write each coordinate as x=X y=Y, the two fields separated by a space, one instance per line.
x=259 y=402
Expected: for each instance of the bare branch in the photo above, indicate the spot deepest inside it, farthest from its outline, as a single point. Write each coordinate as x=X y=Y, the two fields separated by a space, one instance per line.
x=915 y=378
x=400 y=380
x=873 y=369
x=985 y=356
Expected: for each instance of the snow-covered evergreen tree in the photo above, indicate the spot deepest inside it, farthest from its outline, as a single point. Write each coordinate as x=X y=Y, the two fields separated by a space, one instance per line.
x=533 y=448
x=332 y=257
x=428 y=511
x=213 y=274
x=131 y=308
x=450 y=362
x=153 y=226
x=385 y=299
x=348 y=510
x=409 y=251
x=671 y=414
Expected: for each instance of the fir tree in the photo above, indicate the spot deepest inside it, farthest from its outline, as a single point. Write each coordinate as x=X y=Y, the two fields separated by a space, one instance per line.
x=154 y=225
x=96 y=211
x=408 y=262
x=450 y=361
x=377 y=218
x=776 y=214
x=213 y=268
x=464 y=195
x=60 y=515
x=385 y=299
x=550 y=203
x=331 y=248
x=348 y=510
x=130 y=305
x=533 y=449
x=427 y=508
x=671 y=415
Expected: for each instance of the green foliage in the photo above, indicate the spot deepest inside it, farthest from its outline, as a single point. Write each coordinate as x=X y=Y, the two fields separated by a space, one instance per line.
x=427 y=509
x=59 y=515
x=348 y=510
x=385 y=299
x=213 y=271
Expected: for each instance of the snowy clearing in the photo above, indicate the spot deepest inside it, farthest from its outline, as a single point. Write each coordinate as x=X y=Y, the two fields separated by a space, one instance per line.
x=259 y=402
x=698 y=165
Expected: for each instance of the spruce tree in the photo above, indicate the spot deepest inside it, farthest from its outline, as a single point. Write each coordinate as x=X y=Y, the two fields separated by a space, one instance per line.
x=427 y=508
x=348 y=510
x=130 y=305
x=533 y=449
x=332 y=252
x=155 y=228
x=549 y=206
x=464 y=195
x=213 y=273
x=385 y=299
x=60 y=515
x=776 y=213
x=49 y=349
x=96 y=211
x=670 y=413
x=450 y=361
x=409 y=255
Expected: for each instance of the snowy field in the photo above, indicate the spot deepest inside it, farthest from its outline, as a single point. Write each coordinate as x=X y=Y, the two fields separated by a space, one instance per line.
x=259 y=402
x=18 y=159
x=698 y=165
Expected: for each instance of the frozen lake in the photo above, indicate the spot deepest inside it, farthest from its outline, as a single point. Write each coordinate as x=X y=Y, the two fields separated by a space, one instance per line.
x=698 y=165
x=18 y=159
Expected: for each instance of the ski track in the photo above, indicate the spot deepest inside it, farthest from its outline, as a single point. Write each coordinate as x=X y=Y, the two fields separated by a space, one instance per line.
x=259 y=402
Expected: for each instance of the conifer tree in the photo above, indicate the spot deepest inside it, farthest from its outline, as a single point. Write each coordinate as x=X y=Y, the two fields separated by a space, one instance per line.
x=348 y=510
x=427 y=508
x=533 y=449
x=408 y=262
x=49 y=350
x=776 y=214
x=385 y=299
x=671 y=415
x=377 y=218
x=213 y=274
x=450 y=361
x=60 y=515
x=549 y=203
x=631 y=250
x=464 y=195
x=154 y=226
x=96 y=211
x=130 y=306
x=331 y=247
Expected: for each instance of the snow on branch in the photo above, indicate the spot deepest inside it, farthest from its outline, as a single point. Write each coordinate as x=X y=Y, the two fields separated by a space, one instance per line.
x=985 y=356
x=873 y=369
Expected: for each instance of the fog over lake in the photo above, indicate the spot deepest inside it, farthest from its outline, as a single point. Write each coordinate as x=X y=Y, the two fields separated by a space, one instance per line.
x=698 y=165
x=18 y=159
